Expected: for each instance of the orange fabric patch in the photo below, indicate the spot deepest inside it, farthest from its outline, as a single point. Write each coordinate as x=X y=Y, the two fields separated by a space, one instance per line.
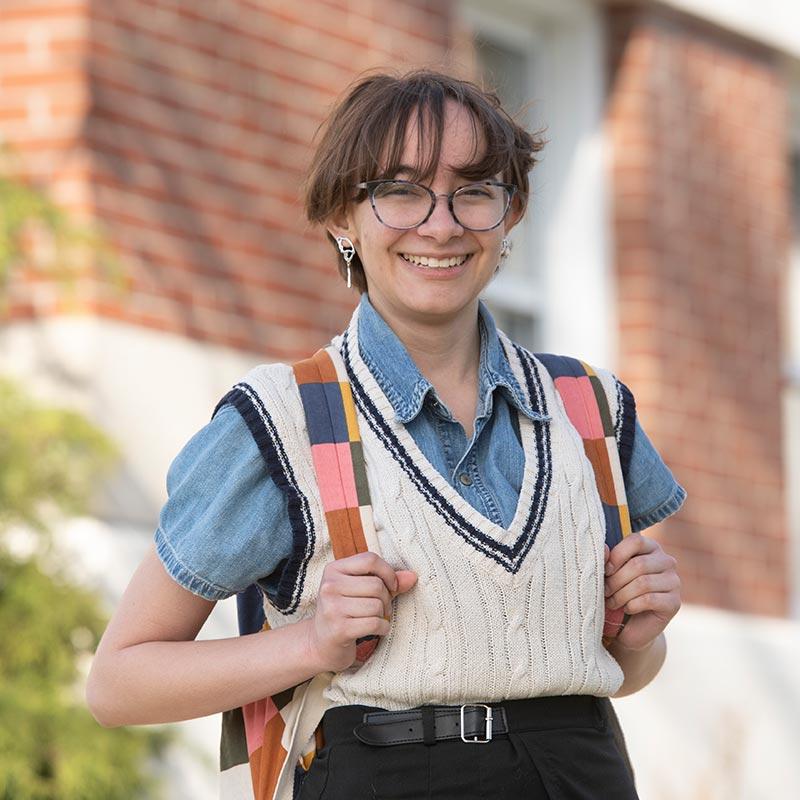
x=597 y=453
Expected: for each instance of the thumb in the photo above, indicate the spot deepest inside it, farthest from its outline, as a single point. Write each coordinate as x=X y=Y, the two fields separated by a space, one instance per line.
x=405 y=580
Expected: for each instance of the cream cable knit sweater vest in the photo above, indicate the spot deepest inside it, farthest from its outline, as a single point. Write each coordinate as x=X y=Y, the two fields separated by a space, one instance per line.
x=496 y=614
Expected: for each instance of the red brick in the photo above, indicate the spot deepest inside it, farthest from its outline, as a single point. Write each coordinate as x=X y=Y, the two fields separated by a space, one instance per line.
x=700 y=115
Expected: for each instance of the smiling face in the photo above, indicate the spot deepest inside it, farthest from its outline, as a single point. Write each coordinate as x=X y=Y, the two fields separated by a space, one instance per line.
x=435 y=272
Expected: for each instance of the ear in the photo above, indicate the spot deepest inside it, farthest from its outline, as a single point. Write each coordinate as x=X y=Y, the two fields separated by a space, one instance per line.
x=515 y=214
x=341 y=224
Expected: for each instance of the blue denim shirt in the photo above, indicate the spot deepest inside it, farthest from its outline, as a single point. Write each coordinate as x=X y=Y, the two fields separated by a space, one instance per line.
x=225 y=523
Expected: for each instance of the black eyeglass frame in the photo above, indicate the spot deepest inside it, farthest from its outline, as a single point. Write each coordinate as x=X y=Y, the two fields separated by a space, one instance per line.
x=371 y=186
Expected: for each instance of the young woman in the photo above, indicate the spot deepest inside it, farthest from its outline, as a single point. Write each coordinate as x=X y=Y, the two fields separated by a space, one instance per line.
x=489 y=580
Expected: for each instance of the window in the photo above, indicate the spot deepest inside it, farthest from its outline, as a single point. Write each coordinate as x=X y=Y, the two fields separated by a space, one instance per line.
x=505 y=62
x=546 y=60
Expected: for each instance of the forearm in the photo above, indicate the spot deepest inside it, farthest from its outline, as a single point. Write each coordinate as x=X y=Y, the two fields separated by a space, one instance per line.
x=155 y=682
x=639 y=666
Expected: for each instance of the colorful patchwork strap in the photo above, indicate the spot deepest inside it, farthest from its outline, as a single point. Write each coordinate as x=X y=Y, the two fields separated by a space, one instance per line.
x=586 y=405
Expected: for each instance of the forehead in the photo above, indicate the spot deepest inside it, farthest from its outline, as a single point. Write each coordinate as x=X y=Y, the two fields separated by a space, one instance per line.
x=462 y=142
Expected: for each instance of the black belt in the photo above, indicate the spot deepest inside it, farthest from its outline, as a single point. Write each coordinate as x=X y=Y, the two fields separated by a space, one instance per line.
x=431 y=724
x=472 y=723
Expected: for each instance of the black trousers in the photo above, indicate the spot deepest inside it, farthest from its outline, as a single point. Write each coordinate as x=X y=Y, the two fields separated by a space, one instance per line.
x=559 y=748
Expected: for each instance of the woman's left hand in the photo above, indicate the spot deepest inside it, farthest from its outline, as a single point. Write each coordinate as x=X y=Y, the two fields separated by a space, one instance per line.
x=644 y=580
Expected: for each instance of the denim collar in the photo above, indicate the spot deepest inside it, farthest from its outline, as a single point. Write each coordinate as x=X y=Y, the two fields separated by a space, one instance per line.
x=406 y=388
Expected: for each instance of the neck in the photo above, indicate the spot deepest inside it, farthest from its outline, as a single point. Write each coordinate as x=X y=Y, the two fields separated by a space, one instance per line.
x=446 y=348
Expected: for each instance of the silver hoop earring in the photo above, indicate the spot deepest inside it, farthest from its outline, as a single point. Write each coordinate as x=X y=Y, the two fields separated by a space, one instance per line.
x=505 y=248
x=348 y=250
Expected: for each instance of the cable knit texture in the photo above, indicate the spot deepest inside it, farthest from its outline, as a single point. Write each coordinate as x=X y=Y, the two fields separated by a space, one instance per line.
x=496 y=614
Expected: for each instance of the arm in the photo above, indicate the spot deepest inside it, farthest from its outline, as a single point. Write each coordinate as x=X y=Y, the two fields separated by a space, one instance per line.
x=149 y=669
x=639 y=666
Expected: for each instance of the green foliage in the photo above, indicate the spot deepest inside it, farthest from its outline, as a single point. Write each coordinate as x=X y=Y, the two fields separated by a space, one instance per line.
x=49 y=458
x=50 y=746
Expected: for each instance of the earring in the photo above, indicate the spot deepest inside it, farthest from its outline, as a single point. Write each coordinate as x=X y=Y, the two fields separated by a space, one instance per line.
x=505 y=248
x=348 y=250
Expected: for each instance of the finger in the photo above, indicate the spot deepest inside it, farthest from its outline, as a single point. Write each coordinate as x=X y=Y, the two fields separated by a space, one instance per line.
x=358 y=607
x=406 y=579
x=629 y=547
x=644 y=585
x=663 y=604
x=356 y=586
x=607 y=553
x=367 y=564
x=365 y=626
x=649 y=563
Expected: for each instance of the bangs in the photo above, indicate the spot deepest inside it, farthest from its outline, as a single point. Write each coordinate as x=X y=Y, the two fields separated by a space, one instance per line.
x=422 y=104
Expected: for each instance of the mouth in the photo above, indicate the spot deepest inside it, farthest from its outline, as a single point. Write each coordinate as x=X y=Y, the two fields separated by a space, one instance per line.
x=430 y=262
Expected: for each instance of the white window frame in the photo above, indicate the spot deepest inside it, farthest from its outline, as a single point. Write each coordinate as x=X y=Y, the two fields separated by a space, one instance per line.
x=515 y=288
x=570 y=295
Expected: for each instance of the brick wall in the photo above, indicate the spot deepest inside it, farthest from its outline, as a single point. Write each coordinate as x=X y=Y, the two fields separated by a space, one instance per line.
x=44 y=98
x=185 y=127
x=194 y=123
x=697 y=120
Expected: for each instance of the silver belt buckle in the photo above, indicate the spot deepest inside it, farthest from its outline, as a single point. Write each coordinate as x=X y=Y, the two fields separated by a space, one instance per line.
x=476 y=740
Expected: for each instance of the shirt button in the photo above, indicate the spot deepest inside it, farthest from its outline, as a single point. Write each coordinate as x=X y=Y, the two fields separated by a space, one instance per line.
x=465 y=479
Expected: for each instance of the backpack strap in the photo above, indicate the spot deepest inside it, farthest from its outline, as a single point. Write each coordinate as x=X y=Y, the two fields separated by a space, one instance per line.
x=338 y=461
x=273 y=734
x=586 y=405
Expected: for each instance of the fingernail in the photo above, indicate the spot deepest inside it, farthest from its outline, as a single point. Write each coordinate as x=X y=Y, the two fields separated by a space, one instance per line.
x=610 y=604
x=609 y=569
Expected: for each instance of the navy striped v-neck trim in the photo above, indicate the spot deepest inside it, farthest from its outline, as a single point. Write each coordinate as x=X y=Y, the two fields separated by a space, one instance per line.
x=509 y=556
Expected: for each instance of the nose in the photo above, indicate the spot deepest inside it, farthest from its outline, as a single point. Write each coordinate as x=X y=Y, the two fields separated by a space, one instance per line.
x=441 y=225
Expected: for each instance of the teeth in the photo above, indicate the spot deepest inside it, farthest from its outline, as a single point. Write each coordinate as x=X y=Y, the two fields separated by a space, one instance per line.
x=434 y=263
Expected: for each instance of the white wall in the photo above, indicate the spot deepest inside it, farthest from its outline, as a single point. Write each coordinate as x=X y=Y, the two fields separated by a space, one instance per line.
x=150 y=391
x=775 y=23
x=722 y=719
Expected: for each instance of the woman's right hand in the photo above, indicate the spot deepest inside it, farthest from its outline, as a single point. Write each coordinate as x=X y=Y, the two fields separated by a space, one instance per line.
x=354 y=600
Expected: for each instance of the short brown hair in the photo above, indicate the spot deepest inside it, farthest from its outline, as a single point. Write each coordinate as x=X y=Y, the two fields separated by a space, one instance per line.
x=363 y=139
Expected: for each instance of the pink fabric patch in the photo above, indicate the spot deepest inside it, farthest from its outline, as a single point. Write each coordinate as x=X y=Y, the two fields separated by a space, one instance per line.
x=613 y=621
x=256 y=716
x=581 y=405
x=333 y=464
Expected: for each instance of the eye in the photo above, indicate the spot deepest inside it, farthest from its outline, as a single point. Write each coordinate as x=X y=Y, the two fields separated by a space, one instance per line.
x=398 y=190
x=478 y=190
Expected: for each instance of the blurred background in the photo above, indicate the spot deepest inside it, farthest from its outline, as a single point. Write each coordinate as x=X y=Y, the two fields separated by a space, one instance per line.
x=153 y=249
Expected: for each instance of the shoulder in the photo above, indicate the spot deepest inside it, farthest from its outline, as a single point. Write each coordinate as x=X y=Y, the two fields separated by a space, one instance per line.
x=264 y=382
x=578 y=380
x=268 y=401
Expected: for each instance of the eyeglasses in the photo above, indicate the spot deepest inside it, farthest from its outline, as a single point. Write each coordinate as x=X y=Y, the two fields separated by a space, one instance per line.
x=404 y=204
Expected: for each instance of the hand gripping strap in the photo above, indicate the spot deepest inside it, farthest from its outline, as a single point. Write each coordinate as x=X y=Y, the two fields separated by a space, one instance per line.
x=586 y=405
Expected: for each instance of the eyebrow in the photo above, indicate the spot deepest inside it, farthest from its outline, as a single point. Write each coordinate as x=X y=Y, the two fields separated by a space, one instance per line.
x=404 y=168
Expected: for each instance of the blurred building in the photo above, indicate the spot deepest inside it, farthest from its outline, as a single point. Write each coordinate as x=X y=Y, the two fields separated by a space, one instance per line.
x=663 y=241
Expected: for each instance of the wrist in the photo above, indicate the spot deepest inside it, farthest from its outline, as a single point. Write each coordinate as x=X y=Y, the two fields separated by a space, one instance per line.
x=617 y=647
x=311 y=655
